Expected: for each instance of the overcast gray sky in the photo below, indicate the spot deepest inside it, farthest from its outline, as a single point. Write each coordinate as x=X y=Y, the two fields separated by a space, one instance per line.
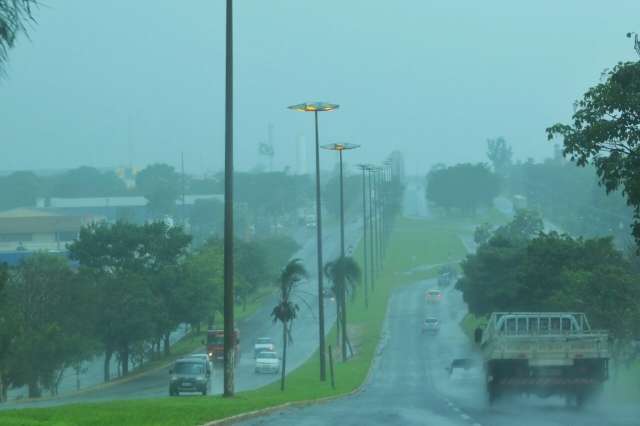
x=434 y=79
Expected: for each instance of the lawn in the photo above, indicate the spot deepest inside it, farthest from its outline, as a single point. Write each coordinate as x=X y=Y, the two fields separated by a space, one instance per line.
x=413 y=243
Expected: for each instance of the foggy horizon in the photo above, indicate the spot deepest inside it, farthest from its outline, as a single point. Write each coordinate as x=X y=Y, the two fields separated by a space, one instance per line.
x=98 y=85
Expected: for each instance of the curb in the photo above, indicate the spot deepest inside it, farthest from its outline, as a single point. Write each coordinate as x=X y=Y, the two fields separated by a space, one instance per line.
x=384 y=334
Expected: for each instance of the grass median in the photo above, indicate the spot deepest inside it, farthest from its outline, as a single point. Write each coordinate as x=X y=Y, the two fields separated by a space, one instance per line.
x=413 y=243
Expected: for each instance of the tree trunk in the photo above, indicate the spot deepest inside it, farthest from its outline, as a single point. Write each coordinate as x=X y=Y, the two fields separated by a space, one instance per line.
x=284 y=354
x=34 y=389
x=2 y=386
x=124 y=359
x=167 y=345
x=107 y=364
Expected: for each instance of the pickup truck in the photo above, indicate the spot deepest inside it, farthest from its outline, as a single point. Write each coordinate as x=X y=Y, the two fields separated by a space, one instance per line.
x=543 y=353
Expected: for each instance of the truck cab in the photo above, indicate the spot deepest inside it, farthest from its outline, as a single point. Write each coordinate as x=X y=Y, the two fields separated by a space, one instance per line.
x=215 y=346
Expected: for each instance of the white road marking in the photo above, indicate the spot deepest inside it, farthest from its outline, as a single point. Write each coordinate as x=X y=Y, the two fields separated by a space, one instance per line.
x=465 y=417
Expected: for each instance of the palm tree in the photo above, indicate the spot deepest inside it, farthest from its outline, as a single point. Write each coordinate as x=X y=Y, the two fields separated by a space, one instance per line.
x=13 y=14
x=345 y=274
x=286 y=310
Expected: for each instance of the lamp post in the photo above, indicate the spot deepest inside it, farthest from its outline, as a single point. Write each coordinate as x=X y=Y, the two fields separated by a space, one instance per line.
x=317 y=107
x=379 y=215
x=340 y=147
x=229 y=328
x=364 y=169
x=372 y=237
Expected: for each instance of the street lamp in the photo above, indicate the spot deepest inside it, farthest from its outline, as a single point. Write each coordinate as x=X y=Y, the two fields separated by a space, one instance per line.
x=364 y=168
x=340 y=147
x=372 y=238
x=636 y=43
x=317 y=107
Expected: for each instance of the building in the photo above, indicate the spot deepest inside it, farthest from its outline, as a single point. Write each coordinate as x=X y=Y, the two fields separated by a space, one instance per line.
x=27 y=230
x=132 y=208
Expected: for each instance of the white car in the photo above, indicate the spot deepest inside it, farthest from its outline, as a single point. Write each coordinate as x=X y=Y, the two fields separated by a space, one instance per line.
x=263 y=344
x=267 y=362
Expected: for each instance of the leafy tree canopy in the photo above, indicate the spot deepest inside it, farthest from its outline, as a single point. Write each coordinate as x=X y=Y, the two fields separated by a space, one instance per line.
x=160 y=185
x=606 y=132
x=463 y=186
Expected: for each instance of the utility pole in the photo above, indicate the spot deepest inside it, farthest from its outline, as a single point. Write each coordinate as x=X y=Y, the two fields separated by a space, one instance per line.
x=229 y=299
x=184 y=189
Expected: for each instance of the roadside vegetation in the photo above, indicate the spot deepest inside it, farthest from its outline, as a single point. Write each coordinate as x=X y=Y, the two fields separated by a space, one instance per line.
x=131 y=287
x=412 y=243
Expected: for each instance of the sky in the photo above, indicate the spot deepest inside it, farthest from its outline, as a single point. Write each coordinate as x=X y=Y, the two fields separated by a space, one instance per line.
x=119 y=82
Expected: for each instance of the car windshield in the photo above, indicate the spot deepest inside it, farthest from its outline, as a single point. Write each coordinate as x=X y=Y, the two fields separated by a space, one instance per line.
x=188 y=368
x=215 y=339
x=431 y=321
x=263 y=341
x=267 y=355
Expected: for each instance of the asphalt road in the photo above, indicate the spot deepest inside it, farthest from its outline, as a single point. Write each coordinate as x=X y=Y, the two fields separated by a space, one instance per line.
x=409 y=384
x=154 y=384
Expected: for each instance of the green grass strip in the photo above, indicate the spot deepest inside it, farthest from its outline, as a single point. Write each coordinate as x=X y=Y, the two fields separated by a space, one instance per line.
x=413 y=243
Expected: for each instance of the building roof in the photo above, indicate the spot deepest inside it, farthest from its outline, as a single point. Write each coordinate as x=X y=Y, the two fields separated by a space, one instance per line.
x=105 y=202
x=28 y=221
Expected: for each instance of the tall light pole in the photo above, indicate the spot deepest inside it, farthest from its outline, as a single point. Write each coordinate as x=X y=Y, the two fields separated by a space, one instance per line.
x=317 y=107
x=341 y=147
x=372 y=238
x=364 y=169
x=379 y=216
x=636 y=43
x=229 y=327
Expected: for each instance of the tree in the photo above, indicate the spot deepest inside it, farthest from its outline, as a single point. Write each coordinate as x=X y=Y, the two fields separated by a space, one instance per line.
x=606 y=132
x=482 y=233
x=8 y=331
x=463 y=186
x=13 y=15
x=499 y=153
x=19 y=189
x=206 y=218
x=345 y=274
x=53 y=321
x=135 y=270
x=352 y=188
x=286 y=310
x=86 y=182
x=160 y=185
x=524 y=225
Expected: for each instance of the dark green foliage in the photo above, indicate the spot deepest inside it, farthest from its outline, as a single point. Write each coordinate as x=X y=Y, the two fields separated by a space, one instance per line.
x=19 y=189
x=285 y=311
x=84 y=182
x=553 y=272
x=524 y=225
x=606 y=132
x=572 y=199
x=464 y=186
x=482 y=233
x=207 y=218
x=161 y=186
x=499 y=152
x=49 y=301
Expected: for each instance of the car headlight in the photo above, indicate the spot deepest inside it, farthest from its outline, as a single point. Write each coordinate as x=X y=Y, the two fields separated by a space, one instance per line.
x=174 y=378
x=201 y=379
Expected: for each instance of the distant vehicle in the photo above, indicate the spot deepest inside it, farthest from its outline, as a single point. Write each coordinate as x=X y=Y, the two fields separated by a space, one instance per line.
x=263 y=344
x=433 y=296
x=327 y=293
x=267 y=362
x=189 y=375
x=543 y=353
x=310 y=221
x=215 y=346
x=204 y=357
x=431 y=326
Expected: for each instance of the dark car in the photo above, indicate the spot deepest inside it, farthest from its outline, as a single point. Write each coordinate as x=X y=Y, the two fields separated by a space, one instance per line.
x=431 y=326
x=189 y=375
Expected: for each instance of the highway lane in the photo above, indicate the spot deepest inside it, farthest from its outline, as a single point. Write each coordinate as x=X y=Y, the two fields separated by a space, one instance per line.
x=154 y=384
x=409 y=384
